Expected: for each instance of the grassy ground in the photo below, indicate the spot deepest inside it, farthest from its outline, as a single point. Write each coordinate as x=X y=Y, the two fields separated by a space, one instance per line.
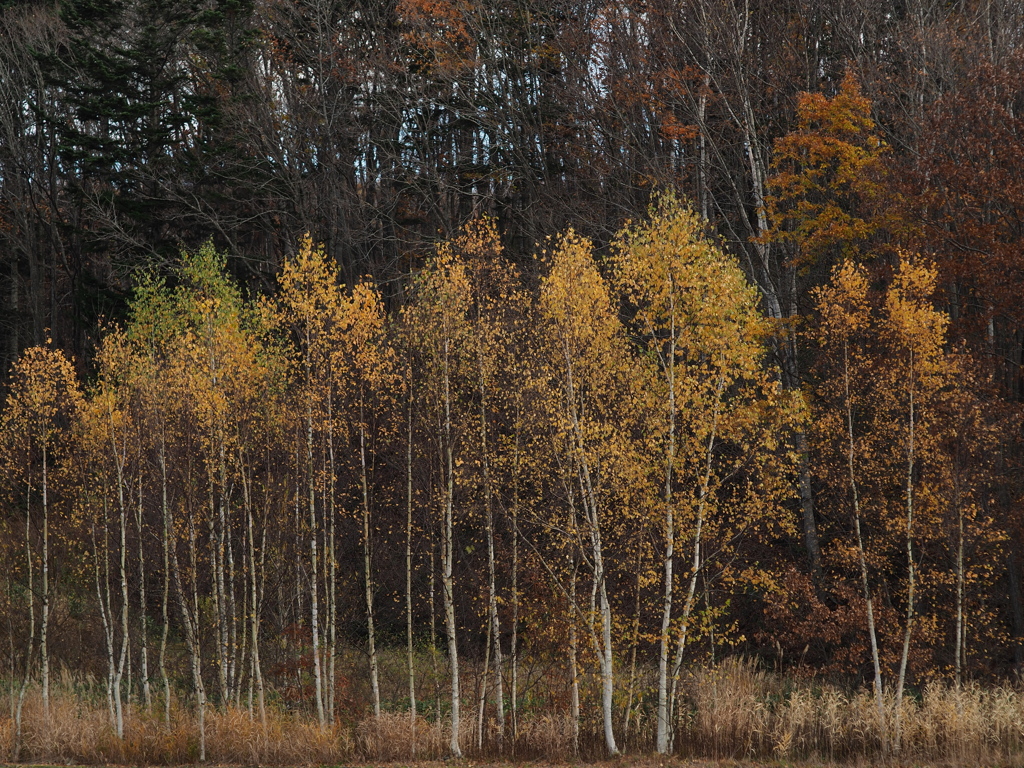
x=732 y=715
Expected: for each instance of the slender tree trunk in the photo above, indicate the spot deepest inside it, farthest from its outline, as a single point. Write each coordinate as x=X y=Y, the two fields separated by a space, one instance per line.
x=662 y=735
x=123 y=573
x=959 y=649
x=332 y=570
x=367 y=572
x=433 y=636
x=119 y=459
x=855 y=499
x=190 y=618
x=574 y=673
x=911 y=575
x=235 y=651
x=314 y=577
x=408 y=569
x=165 y=601
x=448 y=557
x=494 y=629
x=607 y=673
x=258 y=581
x=696 y=562
x=44 y=625
x=603 y=645
x=482 y=687
x=589 y=499
x=256 y=671
x=143 y=633
x=514 y=647
x=245 y=676
x=102 y=579
x=218 y=525
x=702 y=150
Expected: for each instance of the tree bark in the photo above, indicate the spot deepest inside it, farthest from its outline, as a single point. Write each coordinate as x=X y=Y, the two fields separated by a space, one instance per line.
x=408 y=568
x=662 y=735
x=367 y=572
x=494 y=628
x=911 y=575
x=448 y=556
x=879 y=703
x=165 y=599
x=44 y=625
x=143 y=634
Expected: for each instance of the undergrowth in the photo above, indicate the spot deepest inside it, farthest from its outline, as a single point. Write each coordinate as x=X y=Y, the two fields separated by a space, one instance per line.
x=732 y=711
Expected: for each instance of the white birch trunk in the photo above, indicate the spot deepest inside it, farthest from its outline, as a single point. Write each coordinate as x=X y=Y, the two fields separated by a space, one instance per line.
x=408 y=572
x=662 y=732
x=367 y=572
x=696 y=562
x=190 y=618
x=494 y=625
x=448 y=559
x=589 y=498
x=123 y=572
x=143 y=635
x=911 y=575
x=855 y=498
x=102 y=578
x=44 y=625
x=332 y=564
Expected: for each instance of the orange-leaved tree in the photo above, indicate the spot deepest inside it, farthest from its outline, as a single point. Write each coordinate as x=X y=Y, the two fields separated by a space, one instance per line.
x=826 y=202
x=888 y=391
x=363 y=365
x=827 y=193
x=112 y=452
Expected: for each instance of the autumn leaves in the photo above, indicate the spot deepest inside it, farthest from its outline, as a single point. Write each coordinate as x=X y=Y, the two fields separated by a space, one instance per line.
x=598 y=454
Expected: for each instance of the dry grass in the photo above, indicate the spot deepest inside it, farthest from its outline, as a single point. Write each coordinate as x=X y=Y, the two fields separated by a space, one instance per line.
x=738 y=711
x=732 y=712
x=83 y=734
x=394 y=736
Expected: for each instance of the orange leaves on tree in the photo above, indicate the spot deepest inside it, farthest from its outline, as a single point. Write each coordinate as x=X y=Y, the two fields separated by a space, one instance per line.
x=827 y=191
x=890 y=399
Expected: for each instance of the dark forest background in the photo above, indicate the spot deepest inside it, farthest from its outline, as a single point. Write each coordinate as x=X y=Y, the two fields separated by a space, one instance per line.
x=131 y=129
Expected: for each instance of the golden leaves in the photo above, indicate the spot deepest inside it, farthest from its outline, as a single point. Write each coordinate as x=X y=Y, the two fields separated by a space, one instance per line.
x=44 y=397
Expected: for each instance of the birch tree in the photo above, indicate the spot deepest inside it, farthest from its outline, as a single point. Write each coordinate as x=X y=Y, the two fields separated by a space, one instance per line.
x=697 y=320
x=364 y=368
x=586 y=370
x=308 y=307
x=439 y=327
x=111 y=429
x=43 y=403
x=888 y=374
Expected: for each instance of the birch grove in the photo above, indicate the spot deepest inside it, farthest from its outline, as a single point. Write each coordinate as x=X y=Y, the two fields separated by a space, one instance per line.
x=586 y=471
